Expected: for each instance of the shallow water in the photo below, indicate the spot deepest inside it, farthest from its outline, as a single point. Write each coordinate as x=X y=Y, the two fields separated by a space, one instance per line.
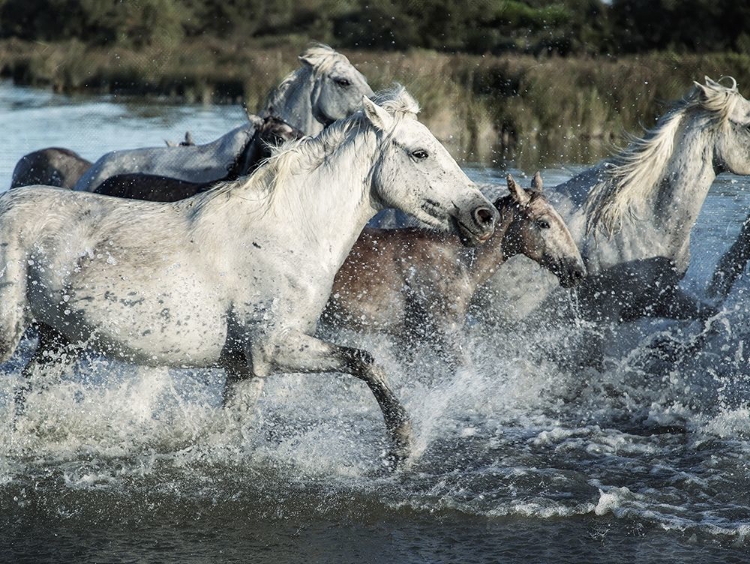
x=517 y=459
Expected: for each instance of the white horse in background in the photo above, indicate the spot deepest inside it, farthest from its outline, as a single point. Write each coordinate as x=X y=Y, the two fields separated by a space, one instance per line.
x=235 y=277
x=326 y=88
x=632 y=214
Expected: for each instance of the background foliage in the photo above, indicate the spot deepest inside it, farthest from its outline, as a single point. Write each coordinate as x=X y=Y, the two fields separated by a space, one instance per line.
x=527 y=80
x=561 y=27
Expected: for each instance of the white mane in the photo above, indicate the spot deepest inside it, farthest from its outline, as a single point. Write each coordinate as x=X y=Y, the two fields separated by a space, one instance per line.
x=636 y=172
x=306 y=154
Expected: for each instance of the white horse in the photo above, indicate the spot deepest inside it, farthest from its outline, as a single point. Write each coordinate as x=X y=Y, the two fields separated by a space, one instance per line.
x=235 y=277
x=326 y=88
x=632 y=214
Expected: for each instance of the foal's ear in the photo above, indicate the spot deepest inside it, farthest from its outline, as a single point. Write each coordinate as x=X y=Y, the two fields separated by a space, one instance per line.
x=377 y=116
x=518 y=193
x=536 y=182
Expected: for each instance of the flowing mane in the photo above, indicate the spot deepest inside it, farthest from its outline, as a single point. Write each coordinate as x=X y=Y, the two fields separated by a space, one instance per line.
x=635 y=173
x=309 y=153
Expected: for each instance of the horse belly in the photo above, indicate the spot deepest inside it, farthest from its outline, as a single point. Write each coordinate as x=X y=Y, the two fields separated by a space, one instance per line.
x=177 y=323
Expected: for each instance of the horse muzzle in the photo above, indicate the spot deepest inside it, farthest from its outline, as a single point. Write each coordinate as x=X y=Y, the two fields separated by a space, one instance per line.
x=571 y=275
x=476 y=226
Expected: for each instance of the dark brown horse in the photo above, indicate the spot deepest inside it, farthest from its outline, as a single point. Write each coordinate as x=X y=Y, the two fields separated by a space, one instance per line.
x=137 y=186
x=53 y=166
x=418 y=283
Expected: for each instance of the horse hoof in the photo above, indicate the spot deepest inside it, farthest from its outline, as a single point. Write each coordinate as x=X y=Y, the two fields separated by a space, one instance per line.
x=400 y=452
x=669 y=349
x=395 y=459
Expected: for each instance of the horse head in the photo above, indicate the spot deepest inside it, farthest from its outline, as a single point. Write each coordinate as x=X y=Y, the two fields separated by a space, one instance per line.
x=337 y=86
x=732 y=148
x=537 y=231
x=275 y=131
x=414 y=172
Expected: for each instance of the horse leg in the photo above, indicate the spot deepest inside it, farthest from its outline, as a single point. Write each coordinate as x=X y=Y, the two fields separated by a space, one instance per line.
x=452 y=347
x=53 y=349
x=294 y=351
x=676 y=304
x=731 y=264
x=237 y=370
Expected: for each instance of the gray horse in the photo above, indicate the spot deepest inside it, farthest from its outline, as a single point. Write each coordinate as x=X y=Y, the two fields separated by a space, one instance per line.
x=326 y=88
x=270 y=133
x=235 y=277
x=632 y=214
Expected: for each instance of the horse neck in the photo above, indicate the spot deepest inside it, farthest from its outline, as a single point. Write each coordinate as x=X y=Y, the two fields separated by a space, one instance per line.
x=245 y=160
x=661 y=226
x=485 y=259
x=668 y=216
x=686 y=183
x=294 y=104
x=328 y=206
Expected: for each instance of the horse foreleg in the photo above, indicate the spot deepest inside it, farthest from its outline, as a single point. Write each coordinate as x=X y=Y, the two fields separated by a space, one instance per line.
x=677 y=304
x=731 y=264
x=671 y=303
x=452 y=347
x=53 y=349
x=294 y=351
x=237 y=370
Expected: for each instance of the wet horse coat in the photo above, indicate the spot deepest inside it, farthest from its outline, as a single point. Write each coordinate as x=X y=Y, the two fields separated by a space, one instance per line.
x=53 y=166
x=235 y=277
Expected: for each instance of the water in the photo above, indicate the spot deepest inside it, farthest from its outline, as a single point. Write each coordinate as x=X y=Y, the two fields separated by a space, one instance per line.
x=518 y=459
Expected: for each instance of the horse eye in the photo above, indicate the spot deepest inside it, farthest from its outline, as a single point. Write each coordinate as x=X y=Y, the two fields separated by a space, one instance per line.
x=343 y=82
x=543 y=224
x=420 y=154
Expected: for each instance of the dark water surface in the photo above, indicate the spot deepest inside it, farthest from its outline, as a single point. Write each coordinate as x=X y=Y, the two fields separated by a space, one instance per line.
x=519 y=459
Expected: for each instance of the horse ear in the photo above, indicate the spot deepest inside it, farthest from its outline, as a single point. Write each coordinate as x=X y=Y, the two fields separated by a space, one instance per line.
x=710 y=82
x=310 y=59
x=378 y=117
x=536 y=182
x=518 y=193
x=705 y=91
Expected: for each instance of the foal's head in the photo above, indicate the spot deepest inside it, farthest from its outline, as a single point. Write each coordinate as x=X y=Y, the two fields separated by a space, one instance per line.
x=275 y=131
x=413 y=172
x=537 y=231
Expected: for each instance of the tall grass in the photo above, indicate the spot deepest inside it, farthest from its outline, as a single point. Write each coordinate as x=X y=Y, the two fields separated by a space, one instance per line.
x=485 y=108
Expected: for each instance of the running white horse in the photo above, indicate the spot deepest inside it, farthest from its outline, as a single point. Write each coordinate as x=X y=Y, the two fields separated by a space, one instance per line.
x=235 y=277
x=632 y=214
x=326 y=88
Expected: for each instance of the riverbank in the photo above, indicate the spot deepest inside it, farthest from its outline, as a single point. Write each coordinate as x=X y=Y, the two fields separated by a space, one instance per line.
x=486 y=108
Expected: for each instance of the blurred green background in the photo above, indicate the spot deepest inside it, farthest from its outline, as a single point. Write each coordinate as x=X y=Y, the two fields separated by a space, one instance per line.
x=519 y=79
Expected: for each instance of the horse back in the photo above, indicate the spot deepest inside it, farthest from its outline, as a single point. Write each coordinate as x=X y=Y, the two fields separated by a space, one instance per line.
x=150 y=187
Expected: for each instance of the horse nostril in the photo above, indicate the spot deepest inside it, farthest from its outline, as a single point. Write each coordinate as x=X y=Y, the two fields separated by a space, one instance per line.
x=578 y=274
x=484 y=217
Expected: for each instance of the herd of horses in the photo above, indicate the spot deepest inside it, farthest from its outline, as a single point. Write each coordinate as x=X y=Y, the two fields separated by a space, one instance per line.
x=230 y=254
